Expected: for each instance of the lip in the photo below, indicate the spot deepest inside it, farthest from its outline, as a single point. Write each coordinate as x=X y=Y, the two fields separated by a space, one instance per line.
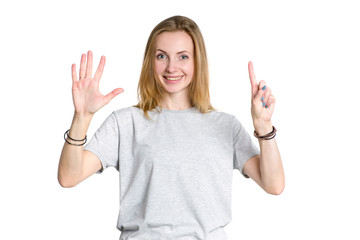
x=173 y=81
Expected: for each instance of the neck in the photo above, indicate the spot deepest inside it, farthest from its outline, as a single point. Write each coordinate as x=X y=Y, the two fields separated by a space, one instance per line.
x=176 y=105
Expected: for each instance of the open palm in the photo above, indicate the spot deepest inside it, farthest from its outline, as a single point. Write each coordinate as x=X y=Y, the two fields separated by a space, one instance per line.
x=85 y=90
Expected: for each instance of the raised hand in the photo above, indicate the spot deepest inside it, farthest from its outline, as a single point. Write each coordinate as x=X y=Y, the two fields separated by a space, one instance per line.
x=262 y=101
x=85 y=90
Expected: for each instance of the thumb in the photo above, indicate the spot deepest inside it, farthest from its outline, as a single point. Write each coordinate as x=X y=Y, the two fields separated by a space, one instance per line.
x=113 y=94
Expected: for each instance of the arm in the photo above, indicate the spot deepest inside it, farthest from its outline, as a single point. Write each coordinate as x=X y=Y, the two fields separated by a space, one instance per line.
x=75 y=164
x=265 y=169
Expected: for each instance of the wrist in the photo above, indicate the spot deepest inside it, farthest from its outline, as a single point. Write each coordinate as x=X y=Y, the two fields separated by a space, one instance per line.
x=80 y=125
x=83 y=116
x=263 y=127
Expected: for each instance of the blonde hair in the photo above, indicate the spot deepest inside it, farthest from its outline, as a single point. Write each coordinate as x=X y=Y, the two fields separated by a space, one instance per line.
x=150 y=91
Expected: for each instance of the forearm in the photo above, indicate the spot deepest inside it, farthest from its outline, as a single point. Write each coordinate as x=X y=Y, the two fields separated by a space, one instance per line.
x=271 y=168
x=71 y=159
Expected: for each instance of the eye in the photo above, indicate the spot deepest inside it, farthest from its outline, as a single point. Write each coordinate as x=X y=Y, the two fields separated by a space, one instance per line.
x=184 y=57
x=160 y=56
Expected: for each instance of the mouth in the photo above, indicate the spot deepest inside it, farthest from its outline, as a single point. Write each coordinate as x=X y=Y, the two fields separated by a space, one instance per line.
x=173 y=79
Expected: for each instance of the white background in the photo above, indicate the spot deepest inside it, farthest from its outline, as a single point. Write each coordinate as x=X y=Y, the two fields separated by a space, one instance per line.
x=307 y=51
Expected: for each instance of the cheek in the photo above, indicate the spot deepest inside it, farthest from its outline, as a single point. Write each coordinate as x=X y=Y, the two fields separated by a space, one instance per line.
x=159 y=67
x=189 y=69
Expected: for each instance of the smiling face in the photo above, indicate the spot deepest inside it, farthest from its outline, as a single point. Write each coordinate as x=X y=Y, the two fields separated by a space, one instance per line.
x=174 y=61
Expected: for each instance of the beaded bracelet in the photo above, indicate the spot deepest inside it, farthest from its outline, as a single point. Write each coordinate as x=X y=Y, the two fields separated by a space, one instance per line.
x=82 y=140
x=268 y=136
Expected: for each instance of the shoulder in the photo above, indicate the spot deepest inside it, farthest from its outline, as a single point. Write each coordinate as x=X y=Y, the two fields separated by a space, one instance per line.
x=130 y=114
x=219 y=114
x=121 y=111
x=231 y=119
x=220 y=119
x=125 y=112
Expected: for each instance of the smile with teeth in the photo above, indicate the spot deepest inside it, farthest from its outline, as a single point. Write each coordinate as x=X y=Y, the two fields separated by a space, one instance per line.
x=173 y=78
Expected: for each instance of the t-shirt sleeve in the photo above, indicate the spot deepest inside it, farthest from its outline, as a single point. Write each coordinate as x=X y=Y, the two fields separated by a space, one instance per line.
x=105 y=143
x=244 y=147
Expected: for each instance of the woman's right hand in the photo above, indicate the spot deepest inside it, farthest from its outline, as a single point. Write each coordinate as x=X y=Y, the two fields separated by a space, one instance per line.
x=85 y=90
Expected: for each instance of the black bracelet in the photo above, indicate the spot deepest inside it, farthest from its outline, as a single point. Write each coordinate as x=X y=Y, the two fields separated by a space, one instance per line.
x=67 y=132
x=82 y=140
x=268 y=136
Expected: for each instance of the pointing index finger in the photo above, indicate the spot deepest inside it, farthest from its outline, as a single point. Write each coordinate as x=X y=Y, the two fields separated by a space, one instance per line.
x=252 y=78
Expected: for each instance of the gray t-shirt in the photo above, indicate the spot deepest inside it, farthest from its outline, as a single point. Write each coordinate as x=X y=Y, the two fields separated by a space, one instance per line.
x=175 y=171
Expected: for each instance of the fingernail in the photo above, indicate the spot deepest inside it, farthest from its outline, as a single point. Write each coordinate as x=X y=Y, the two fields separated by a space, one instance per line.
x=263 y=104
x=262 y=98
x=263 y=87
x=266 y=106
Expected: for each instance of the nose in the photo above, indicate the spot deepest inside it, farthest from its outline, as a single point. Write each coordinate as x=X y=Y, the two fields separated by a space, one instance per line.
x=171 y=66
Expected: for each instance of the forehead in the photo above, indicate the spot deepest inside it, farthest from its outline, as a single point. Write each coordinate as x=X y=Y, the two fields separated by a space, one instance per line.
x=174 y=42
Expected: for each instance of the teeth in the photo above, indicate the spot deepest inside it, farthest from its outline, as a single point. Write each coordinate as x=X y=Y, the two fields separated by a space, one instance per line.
x=173 y=79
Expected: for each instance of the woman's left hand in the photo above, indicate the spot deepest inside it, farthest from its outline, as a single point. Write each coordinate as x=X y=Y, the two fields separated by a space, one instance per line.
x=262 y=103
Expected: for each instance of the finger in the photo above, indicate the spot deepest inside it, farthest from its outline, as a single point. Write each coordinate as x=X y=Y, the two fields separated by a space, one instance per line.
x=73 y=73
x=262 y=85
x=89 y=64
x=113 y=94
x=252 y=78
x=100 y=69
x=271 y=102
x=259 y=97
x=82 y=67
x=266 y=96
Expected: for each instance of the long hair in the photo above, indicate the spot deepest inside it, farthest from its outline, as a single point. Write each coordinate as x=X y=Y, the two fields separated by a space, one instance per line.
x=150 y=91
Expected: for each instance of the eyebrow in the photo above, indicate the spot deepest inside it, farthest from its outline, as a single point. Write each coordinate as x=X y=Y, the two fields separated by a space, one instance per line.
x=176 y=53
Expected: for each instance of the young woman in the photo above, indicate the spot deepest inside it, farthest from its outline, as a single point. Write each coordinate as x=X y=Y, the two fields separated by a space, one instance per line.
x=175 y=153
